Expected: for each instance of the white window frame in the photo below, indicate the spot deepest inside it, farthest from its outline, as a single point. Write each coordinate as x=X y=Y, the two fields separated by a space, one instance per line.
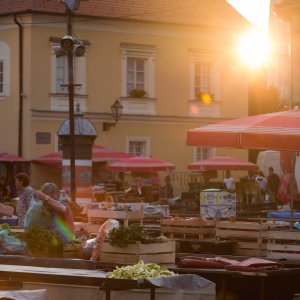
x=214 y=88
x=79 y=73
x=145 y=140
x=197 y=156
x=146 y=53
x=5 y=59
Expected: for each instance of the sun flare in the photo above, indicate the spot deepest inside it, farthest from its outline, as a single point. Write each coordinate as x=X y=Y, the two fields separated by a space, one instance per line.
x=254 y=48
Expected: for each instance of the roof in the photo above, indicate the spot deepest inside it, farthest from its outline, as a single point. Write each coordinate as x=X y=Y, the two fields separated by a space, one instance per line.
x=216 y=13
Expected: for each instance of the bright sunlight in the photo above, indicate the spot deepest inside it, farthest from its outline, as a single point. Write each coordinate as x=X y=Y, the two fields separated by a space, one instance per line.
x=254 y=48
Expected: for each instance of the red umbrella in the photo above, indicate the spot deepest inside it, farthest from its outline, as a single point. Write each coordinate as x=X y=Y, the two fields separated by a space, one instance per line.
x=222 y=163
x=277 y=131
x=4 y=156
x=141 y=164
x=99 y=153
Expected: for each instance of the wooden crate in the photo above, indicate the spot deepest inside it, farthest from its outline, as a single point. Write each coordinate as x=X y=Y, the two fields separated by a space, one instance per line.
x=96 y=216
x=156 y=253
x=251 y=237
x=187 y=228
x=284 y=245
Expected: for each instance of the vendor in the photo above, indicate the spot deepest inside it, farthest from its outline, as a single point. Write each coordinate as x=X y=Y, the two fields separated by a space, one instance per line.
x=60 y=217
x=229 y=181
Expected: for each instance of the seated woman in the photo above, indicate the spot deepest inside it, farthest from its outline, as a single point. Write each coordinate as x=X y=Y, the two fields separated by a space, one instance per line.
x=56 y=215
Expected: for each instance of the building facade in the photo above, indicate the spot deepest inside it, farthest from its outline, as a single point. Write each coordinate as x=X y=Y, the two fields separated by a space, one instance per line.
x=174 y=54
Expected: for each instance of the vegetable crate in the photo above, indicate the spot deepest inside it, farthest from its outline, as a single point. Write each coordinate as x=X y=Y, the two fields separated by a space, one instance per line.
x=284 y=245
x=251 y=237
x=97 y=216
x=187 y=228
x=155 y=253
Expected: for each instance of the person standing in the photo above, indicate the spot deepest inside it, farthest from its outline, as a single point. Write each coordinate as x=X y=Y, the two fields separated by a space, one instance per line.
x=273 y=182
x=262 y=182
x=229 y=181
x=25 y=193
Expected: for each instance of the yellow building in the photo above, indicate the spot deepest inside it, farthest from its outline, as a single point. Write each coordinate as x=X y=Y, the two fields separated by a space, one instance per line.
x=173 y=52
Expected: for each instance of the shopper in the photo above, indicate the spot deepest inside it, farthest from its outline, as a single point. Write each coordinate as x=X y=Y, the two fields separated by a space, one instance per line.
x=25 y=194
x=273 y=182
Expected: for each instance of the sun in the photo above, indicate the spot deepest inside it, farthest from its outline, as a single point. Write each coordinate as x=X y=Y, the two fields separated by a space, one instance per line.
x=254 y=48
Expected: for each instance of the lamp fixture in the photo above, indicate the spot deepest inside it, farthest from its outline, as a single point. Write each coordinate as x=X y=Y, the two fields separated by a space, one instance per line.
x=116 y=110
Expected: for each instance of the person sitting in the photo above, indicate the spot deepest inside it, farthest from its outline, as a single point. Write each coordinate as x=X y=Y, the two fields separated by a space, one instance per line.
x=56 y=215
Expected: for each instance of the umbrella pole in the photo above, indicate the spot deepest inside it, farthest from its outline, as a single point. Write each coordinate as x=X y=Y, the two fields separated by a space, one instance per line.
x=292 y=183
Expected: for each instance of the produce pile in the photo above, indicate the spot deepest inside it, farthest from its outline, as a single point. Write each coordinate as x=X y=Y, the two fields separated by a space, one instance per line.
x=123 y=236
x=140 y=270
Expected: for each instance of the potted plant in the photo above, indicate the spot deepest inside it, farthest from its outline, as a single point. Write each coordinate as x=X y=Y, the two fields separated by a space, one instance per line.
x=137 y=93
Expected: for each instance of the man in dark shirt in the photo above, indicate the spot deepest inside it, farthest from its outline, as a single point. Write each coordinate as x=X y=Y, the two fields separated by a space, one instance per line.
x=273 y=183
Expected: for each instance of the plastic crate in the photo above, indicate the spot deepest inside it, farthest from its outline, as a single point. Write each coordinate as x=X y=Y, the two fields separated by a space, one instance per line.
x=9 y=221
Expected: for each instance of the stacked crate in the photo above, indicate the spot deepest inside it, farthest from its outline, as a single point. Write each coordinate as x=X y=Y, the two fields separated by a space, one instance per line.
x=187 y=228
x=284 y=244
x=251 y=237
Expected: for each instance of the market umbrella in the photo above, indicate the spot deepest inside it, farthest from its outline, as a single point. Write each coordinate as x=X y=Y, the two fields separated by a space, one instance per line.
x=4 y=156
x=222 y=163
x=99 y=154
x=141 y=164
x=277 y=131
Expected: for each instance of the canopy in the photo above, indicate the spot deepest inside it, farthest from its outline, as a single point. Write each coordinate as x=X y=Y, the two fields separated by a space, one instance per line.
x=277 y=131
x=99 y=154
x=222 y=163
x=4 y=156
x=141 y=164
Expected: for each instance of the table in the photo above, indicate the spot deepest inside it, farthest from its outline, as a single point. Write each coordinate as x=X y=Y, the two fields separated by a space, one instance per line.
x=275 y=285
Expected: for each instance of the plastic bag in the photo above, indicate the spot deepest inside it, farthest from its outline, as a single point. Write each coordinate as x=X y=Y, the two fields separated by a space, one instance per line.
x=10 y=244
x=36 y=214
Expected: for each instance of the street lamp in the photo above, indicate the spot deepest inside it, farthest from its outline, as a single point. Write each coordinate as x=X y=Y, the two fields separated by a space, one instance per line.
x=70 y=46
x=116 y=110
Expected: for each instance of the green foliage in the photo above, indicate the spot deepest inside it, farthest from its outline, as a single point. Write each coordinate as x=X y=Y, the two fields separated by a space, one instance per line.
x=6 y=226
x=42 y=240
x=123 y=236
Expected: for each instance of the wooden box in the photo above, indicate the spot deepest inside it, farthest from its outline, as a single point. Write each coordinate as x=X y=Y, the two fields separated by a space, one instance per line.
x=156 y=253
x=97 y=215
x=251 y=237
x=187 y=228
x=284 y=245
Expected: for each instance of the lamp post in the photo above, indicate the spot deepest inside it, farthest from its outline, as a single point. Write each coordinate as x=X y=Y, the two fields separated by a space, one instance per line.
x=116 y=110
x=70 y=46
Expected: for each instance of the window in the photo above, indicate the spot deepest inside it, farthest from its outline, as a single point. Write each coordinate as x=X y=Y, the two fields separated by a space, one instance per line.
x=138 y=146
x=138 y=69
x=204 y=77
x=135 y=74
x=4 y=70
x=204 y=152
x=60 y=74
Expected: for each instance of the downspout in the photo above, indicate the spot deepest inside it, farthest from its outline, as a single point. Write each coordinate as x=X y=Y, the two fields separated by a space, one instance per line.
x=21 y=94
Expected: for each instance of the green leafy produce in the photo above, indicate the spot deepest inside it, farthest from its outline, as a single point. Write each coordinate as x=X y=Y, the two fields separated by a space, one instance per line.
x=42 y=240
x=123 y=236
x=140 y=270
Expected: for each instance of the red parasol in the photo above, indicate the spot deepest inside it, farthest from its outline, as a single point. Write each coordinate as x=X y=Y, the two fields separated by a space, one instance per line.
x=222 y=163
x=141 y=164
x=99 y=154
x=277 y=131
x=4 y=156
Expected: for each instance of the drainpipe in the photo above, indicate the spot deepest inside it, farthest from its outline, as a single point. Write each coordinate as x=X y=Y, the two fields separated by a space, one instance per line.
x=21 y=95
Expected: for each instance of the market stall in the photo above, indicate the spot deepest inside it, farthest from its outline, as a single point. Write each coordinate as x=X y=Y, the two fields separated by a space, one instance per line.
x=218 y=202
